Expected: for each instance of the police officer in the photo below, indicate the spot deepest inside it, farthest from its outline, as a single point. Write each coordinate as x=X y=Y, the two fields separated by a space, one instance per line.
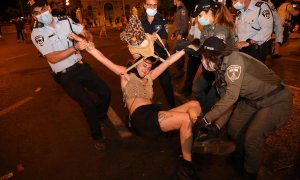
x=50 y=36
x=180 y=33
x=254 y=24
x=265 y=103
x=154 y=23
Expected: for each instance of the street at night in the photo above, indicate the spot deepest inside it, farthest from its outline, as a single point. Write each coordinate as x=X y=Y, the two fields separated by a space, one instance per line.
x=44 y=134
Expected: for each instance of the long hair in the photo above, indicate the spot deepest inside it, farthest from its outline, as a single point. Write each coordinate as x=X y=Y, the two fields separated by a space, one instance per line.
x=215 y=56
x=223 y=16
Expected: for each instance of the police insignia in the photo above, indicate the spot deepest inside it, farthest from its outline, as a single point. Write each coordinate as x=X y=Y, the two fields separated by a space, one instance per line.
x=234 y=72
x=157 y=27
x=39 y=40
x=266 y=14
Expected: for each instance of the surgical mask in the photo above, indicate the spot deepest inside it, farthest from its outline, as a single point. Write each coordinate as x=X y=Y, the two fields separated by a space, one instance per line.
x=151 y=12
x=45 y=18
x=238 y=6
x=203 y=21
x=209 y=66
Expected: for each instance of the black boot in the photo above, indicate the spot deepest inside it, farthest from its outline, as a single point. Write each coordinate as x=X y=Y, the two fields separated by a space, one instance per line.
x=208 y=132
x=186 y=171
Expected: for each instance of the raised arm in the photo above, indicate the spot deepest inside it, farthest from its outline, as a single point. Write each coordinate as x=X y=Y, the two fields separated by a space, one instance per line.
x=164 y=65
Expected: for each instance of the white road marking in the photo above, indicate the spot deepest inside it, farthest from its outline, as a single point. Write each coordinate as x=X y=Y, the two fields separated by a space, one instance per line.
x=14 y=57
x=15 y=106
x=293 y=87
x=118 y=123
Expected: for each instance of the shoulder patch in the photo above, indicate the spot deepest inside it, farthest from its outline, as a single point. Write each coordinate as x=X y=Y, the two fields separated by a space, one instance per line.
x=39 y=40
x=233 y=72
x=258 y=4
x=266 y=14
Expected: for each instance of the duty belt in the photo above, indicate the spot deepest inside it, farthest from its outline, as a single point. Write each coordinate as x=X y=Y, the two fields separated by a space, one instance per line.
x=271 y=93
x=71 y=68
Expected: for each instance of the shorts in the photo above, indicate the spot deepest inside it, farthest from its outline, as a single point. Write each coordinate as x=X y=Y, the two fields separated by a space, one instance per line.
x=144 y=120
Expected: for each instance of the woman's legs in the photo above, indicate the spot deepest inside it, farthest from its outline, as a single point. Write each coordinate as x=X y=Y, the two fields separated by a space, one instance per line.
x=181 y=118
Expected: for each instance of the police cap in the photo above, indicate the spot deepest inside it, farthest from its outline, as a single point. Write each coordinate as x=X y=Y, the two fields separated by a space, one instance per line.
x=203 y=5
x=214 y=44
x=36 y=3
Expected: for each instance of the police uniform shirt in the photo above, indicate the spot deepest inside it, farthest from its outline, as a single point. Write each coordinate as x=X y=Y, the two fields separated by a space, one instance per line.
x=159 y=25
x=220 y=31
x=245 y=77
x=278 y=30
x=181 y=21
x=255 y=23
x=48 y=39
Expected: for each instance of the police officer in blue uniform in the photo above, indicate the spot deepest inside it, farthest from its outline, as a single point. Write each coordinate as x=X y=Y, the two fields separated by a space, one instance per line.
x=254 y=24
x=50 y=36
x=153 y=23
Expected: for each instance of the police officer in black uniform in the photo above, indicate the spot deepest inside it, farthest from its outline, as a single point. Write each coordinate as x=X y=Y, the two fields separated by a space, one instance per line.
x=153 y=23
x=50 y=36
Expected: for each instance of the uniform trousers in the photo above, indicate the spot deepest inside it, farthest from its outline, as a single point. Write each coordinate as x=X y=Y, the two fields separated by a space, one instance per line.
x=259 y=52
x=77 y=83
x=192 y=68
x=204 y=91
x=250 y=126
x=165 y=81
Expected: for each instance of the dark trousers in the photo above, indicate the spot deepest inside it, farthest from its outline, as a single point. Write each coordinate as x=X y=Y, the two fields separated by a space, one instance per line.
x=77 y=83
x=250 y=126
x=192 y=68
x=165 y=81
x=20 y=33
x=166 y=84
x=259 y=52
x=204 y=91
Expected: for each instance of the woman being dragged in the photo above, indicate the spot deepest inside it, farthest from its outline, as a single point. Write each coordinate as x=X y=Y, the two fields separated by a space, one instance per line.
x=146 y=118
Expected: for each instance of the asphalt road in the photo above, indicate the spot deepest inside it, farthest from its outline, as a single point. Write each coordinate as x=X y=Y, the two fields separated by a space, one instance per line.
x=44 y=135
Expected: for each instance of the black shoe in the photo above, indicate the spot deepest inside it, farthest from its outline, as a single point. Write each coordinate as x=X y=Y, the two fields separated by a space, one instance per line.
x=208 y=132
x=106 y=121
x=275 y=56
x=186 y=171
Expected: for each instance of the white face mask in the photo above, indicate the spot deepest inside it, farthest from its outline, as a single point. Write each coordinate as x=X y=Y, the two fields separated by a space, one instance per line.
x=208 y=65
x=151 y=12
x=45 y=18
x=238 y=6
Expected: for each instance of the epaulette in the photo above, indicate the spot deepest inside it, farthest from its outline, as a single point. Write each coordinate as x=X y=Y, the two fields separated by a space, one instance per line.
x=258 y=4
x=61 y=18
x=37 y=24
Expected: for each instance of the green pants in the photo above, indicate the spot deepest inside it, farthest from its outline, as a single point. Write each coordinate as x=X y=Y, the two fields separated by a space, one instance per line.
x=255 y=124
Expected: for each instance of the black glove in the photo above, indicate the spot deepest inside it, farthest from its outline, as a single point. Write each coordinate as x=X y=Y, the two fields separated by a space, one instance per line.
x=196 y=42
x=199 y=125
x=192 y=52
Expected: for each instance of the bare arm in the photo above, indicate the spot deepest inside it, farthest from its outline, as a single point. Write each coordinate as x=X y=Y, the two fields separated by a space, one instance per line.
x=164 y=65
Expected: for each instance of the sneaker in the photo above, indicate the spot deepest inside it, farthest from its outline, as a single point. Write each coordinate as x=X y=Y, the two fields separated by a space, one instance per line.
x=186 y=171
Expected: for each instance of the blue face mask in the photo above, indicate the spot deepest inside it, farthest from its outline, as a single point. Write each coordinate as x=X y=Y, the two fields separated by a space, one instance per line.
x=238 y=6
x=45 y=18
x=151 y=12
x=203 y=21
